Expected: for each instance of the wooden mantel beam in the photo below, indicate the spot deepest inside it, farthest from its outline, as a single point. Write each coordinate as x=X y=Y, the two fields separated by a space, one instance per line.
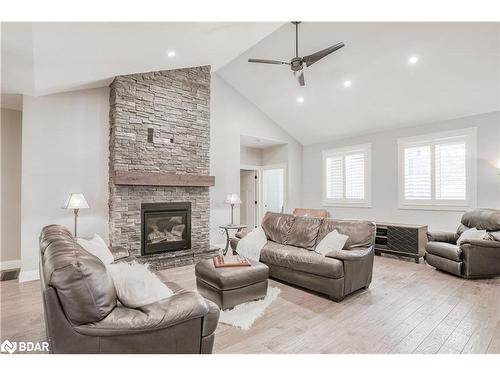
x=161 y=179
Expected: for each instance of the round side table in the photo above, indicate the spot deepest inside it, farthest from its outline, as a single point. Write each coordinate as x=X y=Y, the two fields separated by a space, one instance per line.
x=227 y=228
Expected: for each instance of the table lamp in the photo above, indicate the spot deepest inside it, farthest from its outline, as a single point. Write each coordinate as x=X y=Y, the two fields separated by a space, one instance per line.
x=232 y=199
x=74 y=202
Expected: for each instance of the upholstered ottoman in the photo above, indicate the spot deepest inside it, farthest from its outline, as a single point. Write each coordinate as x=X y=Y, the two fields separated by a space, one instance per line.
x=231 y=286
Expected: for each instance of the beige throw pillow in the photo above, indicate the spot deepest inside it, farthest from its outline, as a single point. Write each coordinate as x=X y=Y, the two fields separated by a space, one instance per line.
x=471 y=234
x=136 y=285
x=96 y=246
x=333 y=241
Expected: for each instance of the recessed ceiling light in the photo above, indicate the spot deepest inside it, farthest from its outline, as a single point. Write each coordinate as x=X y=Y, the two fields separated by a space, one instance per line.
x=413 y=60
x=300 y=99
x=347 y=83
x=171 y=53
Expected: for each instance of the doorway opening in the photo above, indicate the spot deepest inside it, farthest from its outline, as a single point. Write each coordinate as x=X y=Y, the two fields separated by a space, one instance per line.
x=249 y=187
x=263 y=178
x=273 y=188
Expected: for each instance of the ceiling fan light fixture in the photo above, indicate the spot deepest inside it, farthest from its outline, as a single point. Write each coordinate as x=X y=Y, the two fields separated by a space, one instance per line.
x=298 y=63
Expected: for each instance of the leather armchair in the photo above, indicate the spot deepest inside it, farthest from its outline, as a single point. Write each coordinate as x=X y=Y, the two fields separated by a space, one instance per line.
x=473 y=258
x=83 y=315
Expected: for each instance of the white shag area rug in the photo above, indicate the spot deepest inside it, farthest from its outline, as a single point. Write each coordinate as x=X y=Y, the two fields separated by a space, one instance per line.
x=244 y=316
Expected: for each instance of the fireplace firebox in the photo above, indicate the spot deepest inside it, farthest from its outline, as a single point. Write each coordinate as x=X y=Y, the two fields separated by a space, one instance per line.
x=165 y=227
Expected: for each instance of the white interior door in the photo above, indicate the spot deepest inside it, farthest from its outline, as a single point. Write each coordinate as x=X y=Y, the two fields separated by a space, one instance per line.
x=248 y=194
x=273 y=189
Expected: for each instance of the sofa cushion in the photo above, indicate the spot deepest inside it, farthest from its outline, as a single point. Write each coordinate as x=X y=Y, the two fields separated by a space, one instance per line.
x=276 y=226
x=445 y=250
x=304 y=232
x=295 y=258
x=83 y=286
x=482 y=218
x=361 y=233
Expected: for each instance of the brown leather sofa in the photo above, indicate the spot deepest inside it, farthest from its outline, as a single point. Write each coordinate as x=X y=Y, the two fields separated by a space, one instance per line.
x=473 y=258
x=289 y=253
x=83 y=314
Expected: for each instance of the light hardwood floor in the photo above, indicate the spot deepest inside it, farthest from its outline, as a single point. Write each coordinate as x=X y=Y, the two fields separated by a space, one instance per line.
x=409 y=308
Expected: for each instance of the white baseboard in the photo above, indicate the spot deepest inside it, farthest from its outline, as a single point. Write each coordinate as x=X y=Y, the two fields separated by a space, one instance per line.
x=31 y=275
x=10 y=264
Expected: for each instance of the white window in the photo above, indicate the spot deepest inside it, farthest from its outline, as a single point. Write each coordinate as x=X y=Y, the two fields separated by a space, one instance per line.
x=437 y=171
x=346 y=176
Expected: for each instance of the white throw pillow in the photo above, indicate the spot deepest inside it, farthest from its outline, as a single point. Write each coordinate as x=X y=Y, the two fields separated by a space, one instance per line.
x=251 y=245
x=96 y=246
x=333 y=241
x=471 y=234
x=136 y=285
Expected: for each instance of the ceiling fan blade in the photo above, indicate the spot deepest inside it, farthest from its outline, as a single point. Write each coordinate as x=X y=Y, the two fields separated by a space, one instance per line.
x=311 y=59
x=268 y=61
x=300 y=77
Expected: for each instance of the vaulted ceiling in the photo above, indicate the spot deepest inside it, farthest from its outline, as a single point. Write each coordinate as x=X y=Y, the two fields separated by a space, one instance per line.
x=44 y=58
x=457 y=73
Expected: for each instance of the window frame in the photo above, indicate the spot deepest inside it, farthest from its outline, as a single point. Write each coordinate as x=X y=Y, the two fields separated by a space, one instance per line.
x=432 y=139
x=343 y=152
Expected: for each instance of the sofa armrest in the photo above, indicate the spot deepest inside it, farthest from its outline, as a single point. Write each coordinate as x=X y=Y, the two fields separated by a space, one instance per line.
x=211 y=318
x=358 y=267
x=481 y=258
x=355 y=255
x=168 y=312
x=448 y=237
x=481 y=243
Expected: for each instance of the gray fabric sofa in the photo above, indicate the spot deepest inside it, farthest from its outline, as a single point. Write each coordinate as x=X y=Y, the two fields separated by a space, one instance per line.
x=83 y=314
x=473 y=258
x=289 y=253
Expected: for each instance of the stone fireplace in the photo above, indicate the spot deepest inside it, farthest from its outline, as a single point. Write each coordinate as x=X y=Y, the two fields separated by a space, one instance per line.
x=159 y=158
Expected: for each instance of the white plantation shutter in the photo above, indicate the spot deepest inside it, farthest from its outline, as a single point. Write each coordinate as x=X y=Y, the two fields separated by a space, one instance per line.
x=438 y=170
x=346 y=177
x=417 y=172
x=334 y=178
x=450 y=165
x=355 y=176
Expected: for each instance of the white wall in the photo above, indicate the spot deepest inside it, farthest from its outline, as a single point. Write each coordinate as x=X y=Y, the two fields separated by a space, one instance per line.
x=233 y=115
x=65 y=150
x=385 y=179
x=11 y=133
x=250 y=156
x=275 y=155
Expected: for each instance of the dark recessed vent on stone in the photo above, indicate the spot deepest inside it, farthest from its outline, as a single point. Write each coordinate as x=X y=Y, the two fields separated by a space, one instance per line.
x=150 y=135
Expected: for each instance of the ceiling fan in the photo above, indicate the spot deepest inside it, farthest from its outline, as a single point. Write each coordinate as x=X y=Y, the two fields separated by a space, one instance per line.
x=297 y=63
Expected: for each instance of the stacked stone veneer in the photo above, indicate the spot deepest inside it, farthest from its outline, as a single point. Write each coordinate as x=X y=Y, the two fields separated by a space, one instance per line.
x=176 y=105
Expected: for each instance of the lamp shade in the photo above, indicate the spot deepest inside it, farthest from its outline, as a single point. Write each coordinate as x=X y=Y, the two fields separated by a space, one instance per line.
x=75 y=201
x=233 y=199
